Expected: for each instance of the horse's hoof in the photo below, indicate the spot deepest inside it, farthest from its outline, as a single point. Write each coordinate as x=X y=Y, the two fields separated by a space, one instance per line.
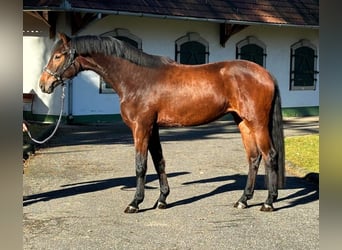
x=131 y=210
x=161 y=205
x=267 y=208
x=240 y=205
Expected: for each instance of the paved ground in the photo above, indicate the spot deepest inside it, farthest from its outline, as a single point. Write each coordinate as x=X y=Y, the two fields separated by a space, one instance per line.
x=76 y=187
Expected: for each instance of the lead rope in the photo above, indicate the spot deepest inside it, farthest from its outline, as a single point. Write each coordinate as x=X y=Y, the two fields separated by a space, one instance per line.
x=58 y=122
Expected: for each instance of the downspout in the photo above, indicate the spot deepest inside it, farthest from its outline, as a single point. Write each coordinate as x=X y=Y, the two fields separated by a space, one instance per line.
x=70 y=118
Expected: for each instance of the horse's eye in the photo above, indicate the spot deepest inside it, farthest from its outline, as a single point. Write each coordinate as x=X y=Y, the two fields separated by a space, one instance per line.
x=58 y=56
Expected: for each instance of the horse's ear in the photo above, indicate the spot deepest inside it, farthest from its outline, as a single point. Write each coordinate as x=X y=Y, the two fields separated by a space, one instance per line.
x=64 y=38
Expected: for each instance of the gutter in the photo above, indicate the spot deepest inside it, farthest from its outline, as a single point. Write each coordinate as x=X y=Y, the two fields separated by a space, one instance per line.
x=67 y=7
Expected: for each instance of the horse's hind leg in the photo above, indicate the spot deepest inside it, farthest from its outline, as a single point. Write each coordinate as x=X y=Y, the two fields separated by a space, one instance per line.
x=155 y=149
x=254 y=158
x=270 y=157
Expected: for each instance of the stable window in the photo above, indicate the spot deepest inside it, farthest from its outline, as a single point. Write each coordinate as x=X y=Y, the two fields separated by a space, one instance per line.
x=251 y=49
x=192 y=49
x=126 y=36
x=303 y=66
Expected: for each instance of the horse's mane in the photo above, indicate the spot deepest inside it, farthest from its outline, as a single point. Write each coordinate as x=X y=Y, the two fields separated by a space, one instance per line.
x=111 y=46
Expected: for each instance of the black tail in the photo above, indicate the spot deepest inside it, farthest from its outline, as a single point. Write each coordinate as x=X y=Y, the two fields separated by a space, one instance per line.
x=277 y=133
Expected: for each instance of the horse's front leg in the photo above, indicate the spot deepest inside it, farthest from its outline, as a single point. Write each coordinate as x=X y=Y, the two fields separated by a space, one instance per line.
x=140 y=171
x=141 y=138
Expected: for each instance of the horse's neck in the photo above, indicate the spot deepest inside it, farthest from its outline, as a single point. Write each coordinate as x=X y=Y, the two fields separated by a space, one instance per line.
x=114 y=71
x=91 y=63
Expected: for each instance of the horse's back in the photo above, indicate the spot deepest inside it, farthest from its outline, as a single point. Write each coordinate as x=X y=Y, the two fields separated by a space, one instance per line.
x=194 y=95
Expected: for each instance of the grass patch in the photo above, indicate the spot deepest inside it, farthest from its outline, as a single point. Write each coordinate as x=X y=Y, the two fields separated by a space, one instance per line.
x=303 y=151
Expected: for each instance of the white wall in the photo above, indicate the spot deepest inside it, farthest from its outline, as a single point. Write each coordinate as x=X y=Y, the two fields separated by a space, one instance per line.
x=86 y=97
x=36 y=52
x=158 y=37
x=278 y=41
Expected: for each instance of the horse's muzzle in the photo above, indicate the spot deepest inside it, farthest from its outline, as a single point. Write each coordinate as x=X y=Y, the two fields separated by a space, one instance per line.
x=48 y=88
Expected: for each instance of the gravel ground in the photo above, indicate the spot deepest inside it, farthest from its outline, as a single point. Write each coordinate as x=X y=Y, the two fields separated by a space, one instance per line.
x=76 y=187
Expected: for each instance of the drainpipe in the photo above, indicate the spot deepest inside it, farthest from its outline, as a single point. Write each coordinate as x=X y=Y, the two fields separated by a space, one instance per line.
x=70 y=117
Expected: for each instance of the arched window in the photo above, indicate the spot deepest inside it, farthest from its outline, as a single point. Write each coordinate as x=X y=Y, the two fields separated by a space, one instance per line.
x=251 y=49
x=123 y=35
x=192 y=49
x=303 y=66
x=126 y=36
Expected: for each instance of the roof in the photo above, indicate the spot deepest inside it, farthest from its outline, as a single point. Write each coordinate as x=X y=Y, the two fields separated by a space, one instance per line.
x=276 y=12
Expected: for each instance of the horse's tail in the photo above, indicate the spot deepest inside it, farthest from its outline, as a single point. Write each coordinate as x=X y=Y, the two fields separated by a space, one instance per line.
x=277 y=133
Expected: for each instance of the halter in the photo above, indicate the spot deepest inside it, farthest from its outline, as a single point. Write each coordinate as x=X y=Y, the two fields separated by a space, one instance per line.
x=58 y=74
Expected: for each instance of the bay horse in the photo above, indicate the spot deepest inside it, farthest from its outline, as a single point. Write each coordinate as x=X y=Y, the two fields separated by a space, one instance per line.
x=156 y=91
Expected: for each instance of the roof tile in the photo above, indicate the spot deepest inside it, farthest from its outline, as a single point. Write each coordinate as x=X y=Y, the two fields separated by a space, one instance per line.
x=290 y=12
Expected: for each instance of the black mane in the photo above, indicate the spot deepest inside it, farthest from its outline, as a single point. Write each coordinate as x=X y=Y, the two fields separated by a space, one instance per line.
x=111 y=46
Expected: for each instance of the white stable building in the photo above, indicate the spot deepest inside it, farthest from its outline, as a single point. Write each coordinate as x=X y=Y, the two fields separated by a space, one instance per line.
x=282 y=36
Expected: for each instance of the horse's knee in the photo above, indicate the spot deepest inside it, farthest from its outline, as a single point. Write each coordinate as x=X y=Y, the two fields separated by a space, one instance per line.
x=255 y=162
x=140 y=164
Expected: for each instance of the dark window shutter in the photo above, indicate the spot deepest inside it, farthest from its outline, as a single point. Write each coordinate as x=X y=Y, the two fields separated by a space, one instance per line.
x=192 y=53
x=304 y=64
x=252 y=52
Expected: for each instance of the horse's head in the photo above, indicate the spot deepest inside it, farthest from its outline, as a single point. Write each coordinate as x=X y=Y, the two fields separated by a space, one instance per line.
x=60 y=67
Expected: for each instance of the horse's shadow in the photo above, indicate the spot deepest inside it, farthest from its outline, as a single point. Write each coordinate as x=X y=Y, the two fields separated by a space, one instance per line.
x=91 y=186
x=307 y=192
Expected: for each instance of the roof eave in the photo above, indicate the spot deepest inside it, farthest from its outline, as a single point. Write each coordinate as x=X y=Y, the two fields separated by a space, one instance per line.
x=163 y=16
